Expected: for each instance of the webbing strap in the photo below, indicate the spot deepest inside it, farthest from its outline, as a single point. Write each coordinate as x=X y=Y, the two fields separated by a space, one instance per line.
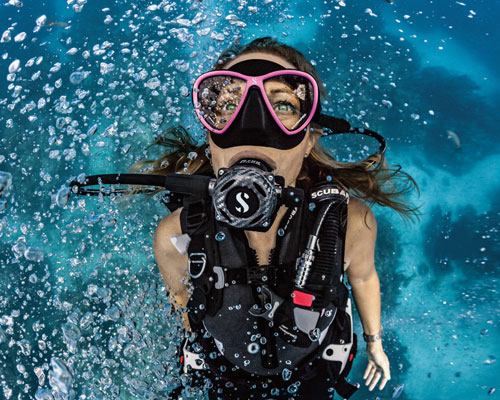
x=251 y=275
x=342 y=387
x=195 y=218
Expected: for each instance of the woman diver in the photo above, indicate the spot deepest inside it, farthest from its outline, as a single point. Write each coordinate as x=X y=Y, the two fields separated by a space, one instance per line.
x=268 y=312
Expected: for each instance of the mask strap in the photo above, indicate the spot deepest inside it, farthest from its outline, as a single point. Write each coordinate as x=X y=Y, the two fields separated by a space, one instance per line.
x=337 y=126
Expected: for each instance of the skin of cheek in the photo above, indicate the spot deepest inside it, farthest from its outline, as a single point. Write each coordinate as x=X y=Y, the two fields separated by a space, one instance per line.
x=288 y=162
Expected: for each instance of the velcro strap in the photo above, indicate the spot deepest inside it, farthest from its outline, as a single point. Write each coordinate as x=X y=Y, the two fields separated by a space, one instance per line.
x=342 y=296
x=344 y=388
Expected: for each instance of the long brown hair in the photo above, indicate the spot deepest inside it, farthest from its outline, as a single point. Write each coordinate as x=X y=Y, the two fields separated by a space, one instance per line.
x=372 y=180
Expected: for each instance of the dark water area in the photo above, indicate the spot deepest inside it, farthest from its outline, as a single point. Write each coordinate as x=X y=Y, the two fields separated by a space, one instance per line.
x=83 y=309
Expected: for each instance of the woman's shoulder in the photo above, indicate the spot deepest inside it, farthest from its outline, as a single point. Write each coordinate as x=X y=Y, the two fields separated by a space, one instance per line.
x=168 y=226
x=171 y=222
x=171 y=263
x=359 y=213
x=361 y=231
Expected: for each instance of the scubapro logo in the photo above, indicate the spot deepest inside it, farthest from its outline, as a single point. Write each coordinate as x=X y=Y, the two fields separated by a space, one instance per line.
x=242 y=202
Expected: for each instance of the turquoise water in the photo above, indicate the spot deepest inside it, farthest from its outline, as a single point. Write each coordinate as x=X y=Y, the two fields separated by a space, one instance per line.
x=83 y=311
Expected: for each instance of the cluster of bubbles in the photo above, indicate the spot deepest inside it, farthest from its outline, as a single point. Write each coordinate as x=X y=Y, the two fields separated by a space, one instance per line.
x=116 y=345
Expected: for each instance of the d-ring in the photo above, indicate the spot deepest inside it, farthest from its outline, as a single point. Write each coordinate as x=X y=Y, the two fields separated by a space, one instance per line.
x=197 y=261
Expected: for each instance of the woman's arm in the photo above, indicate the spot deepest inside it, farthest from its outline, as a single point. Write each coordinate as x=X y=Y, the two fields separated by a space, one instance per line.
x=363 y=278
x=172 y=264
x=361 y=272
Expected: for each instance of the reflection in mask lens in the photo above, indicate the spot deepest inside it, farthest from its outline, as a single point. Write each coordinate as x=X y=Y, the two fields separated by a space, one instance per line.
x=218 y=98
x=290 y=96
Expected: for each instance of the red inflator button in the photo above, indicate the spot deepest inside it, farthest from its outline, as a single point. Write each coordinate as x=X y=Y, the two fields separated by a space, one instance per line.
x=302 y=299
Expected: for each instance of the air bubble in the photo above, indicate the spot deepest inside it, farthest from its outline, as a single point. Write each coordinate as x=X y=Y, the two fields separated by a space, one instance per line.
x=293 y=388
x=77 y=77
x=20 y=37
x=14 y=66
x=286 y=374
x=220 y=236
x=386 y=103
x=253 y=348
x=184 y=91
x=61 y=374
x=5 y=37
x=33 y=253
x=44 y=394
x=62 y=196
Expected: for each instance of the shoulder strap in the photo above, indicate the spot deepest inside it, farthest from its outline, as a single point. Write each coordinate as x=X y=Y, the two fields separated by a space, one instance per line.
x=194 y=215
x=197 y=221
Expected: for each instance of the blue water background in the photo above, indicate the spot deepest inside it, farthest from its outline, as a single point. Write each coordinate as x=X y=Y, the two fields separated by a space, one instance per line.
x=83 y=310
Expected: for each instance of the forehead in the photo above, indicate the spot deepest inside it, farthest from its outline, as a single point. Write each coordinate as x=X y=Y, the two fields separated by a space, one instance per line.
x=260 y=56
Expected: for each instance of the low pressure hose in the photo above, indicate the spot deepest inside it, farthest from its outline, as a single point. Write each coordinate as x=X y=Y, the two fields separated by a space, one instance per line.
x=328 y=223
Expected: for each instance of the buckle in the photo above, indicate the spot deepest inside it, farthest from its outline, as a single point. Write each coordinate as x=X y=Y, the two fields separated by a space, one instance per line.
x=191 y=359
x=261 y=274
x=219 y=272
x=198 y=262
x=267 y=312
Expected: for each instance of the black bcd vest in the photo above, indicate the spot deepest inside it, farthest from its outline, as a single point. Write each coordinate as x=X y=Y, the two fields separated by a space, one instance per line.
x=241 y=307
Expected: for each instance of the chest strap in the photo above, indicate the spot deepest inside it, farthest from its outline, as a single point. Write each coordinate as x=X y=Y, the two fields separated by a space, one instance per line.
x=251 y=275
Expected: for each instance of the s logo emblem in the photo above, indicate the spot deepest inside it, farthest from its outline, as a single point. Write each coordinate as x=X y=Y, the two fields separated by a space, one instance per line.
x=254 y=81
x=242 y=202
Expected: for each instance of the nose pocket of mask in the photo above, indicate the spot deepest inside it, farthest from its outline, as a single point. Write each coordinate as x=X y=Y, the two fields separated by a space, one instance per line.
x=250 y=116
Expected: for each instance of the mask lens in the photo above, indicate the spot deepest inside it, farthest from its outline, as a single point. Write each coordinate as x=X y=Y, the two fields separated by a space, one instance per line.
x=218 y=98
x=291 y=98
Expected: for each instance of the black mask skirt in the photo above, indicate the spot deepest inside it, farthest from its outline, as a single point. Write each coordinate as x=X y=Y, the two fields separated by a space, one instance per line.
x=254 y=125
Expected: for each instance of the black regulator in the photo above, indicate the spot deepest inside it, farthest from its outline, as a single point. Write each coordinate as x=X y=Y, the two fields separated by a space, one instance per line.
x=247 y=195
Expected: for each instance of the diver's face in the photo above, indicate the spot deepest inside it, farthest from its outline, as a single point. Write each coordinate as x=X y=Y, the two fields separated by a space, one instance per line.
x=286 y=163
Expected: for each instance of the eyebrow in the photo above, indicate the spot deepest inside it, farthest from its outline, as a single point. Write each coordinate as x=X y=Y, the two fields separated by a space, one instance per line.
x=289 y=91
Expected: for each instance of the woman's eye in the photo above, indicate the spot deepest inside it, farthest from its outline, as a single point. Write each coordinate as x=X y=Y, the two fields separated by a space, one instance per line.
x=227 y=107
x=284 y=106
